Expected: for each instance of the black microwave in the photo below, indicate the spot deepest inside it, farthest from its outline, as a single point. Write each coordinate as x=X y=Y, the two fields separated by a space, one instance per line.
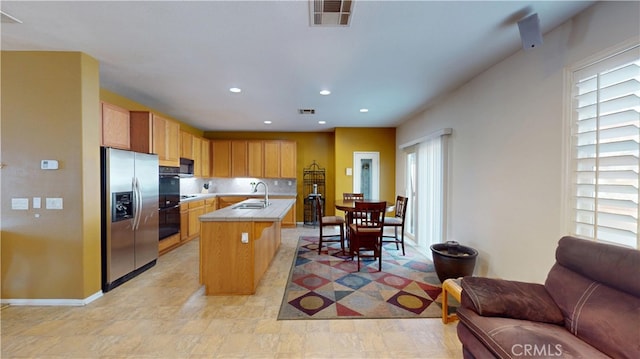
x=186 y=167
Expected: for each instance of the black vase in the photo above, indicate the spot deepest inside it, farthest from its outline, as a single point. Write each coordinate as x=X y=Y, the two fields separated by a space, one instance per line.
x=452 y=260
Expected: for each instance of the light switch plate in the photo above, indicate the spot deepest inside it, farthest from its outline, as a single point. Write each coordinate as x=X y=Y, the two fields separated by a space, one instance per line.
x=20 y=204
x=54 y=203
x=37 y=203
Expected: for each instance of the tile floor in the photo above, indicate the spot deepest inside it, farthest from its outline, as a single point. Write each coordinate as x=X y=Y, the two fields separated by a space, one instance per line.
x=163 y=314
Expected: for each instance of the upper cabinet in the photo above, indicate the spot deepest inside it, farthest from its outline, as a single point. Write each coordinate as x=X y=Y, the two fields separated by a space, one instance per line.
x=288 y=159
x=253 y=158
x=186 y=144
x=255 y=165
x=115 y=127
x=154 y=134
x=239 y=158
x=221 y=158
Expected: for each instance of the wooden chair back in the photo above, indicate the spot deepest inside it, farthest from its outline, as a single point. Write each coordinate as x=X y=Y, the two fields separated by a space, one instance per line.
x=370 y=215
x=401 y=207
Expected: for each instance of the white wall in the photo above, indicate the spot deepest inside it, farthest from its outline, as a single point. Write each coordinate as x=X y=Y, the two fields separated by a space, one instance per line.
x=506 y=150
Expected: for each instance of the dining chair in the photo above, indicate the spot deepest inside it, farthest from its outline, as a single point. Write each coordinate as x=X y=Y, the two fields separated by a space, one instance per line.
x=328 y=221
x=397 y=221
x=365 y=235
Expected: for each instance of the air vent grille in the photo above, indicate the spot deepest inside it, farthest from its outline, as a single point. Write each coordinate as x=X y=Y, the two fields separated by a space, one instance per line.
x=306 y=111
x=330 y=12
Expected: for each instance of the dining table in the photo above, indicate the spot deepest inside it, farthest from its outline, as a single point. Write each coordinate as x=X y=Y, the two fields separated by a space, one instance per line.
x=349 y=206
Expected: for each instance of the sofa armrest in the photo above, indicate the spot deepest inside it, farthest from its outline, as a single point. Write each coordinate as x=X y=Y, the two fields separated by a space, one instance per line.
x=491 y=297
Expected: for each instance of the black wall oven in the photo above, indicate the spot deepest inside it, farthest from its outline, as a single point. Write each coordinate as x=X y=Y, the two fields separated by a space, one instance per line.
x=169 y=202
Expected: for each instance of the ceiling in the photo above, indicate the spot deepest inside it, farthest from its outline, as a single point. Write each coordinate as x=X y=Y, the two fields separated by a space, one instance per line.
x=182 y=57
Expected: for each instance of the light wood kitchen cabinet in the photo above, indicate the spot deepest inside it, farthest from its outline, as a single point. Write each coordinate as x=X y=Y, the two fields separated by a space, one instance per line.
x=289 y=220
x=196 y=150
x=239 y=158
x=230 y=200
x=288 y=159
x=221 y=158
x=272 y=159
x=205 y=156
x=151 y=133
x=210 y=205
x=184 y=222
x=186 y=143
x=115 y=127
x=255 y=166
x=196 y=209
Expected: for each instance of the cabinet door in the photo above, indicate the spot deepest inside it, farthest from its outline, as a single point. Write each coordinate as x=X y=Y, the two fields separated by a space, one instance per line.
x=210 y=205
x=186 y=144
x=115 y=127
x=239 y=158
x=196 y=209
x=221 y=158
x=172 y=141
x=141 y=131
x=205 y=156
x=288 y=159
x=184 y=222
x=255 y=158
x=159 y=142
x=197 y=156
x=272 y=159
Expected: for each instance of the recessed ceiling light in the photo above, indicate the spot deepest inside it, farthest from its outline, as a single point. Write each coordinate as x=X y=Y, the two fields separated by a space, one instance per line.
x=325 y=92
x=322 y=122
x=235 y=90
x=363 y=110
x=267 y=122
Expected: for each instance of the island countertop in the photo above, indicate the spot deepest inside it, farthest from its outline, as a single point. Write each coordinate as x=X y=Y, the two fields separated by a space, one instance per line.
x=275 y=212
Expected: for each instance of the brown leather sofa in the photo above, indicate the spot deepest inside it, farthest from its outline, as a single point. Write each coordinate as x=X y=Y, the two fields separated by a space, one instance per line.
x=589 y=307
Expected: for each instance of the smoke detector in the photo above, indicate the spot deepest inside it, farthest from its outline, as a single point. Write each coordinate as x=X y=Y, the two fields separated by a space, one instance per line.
x=330 y=12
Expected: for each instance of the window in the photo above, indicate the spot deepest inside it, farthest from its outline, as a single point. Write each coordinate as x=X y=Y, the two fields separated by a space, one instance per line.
x=427 y=167
x=606 y=149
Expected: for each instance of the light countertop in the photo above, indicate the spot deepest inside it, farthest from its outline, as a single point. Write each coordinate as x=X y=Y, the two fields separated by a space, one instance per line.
x=274 y=212
x=201 y=196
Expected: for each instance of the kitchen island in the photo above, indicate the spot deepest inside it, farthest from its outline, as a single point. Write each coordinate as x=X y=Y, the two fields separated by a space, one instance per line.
x=237 y=244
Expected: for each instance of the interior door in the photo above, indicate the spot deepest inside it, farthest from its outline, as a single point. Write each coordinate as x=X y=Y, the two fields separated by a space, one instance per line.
x=366 y=174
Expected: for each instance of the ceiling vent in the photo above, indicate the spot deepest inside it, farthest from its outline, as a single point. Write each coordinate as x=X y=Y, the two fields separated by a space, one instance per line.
x=306 y=111
x=330 y=12
x=8 y=19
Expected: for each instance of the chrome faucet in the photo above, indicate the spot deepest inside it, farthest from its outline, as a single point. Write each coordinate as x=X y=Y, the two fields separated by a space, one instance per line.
x=266 y=192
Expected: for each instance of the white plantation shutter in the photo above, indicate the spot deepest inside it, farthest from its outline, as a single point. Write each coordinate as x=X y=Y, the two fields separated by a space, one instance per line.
x=607 y=149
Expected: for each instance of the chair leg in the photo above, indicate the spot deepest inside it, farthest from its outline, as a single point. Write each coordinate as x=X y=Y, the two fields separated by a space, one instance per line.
x=342 y=237
x=402 y=239
x=395 y=230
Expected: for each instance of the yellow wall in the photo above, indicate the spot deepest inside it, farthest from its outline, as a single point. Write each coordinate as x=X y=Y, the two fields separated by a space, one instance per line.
x=50 y=110
x=350 y=140
x=311 y=146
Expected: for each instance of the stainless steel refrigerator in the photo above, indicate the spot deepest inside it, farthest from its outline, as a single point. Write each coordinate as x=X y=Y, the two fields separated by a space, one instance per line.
x=129 y=187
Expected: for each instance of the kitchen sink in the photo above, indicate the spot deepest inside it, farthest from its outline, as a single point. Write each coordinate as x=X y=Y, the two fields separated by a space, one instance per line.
x=250 y=205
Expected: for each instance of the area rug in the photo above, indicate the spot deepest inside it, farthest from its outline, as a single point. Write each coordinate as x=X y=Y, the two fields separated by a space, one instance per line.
x=329 y=286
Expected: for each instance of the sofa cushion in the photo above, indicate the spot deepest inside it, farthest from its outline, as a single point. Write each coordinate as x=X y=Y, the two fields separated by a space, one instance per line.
x=604 y=317
x=510 y=299
x=512 y=338
x=612 y=265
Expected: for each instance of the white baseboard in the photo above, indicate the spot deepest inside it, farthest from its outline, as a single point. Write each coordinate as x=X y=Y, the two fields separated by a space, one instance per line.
x=53 y=302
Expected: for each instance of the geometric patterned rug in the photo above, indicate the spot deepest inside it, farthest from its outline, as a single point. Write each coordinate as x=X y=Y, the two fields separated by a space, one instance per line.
x=328 y=285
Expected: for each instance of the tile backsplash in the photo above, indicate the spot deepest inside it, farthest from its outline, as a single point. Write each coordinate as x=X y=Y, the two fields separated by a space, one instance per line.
x=235 y=185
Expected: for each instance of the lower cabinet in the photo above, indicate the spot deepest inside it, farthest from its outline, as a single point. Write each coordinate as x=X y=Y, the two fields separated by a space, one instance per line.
x=196 y=209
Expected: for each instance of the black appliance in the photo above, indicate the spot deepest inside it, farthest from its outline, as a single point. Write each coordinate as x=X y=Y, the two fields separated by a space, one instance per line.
x=186 y=167
x=169 y=202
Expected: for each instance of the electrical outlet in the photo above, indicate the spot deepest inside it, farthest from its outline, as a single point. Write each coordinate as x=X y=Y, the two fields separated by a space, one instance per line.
x=245 y=237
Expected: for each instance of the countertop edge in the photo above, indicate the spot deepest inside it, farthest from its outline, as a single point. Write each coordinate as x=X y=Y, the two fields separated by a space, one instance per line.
x=274 y=213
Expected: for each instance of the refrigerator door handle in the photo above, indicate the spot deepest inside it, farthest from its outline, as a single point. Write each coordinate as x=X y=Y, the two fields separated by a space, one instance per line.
x=138 y=203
